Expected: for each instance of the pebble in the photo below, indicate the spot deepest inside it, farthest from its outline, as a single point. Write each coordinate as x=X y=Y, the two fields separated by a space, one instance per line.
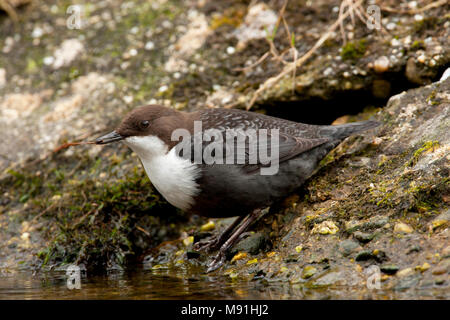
x=418 y=17
x=231 y=50
x=405 y=272
x=346 y=247
x=423 y=267
x=208 y=226
x=149 y=45
x=364 y=237
x=381 y=64
x=239 y=256
x=442 y=267
x=401 y=227
x=308 y=272
x=389 y=269
x=163 y=88
x=48 y=60
x=326 y=227
x=391 y=26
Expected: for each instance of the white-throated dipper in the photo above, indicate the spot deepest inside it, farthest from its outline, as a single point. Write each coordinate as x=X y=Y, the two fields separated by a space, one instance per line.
x=232 y=188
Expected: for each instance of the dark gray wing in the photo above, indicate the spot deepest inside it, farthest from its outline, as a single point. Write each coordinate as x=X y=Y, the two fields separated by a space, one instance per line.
x=250 y=149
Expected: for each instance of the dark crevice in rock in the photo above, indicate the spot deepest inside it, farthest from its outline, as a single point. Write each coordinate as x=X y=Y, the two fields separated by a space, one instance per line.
x=324 y=110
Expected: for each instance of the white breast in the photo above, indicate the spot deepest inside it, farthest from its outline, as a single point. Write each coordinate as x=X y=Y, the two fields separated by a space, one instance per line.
x=172 y=176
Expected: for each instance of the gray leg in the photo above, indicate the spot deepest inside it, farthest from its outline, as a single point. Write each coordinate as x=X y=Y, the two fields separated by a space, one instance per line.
x=216 y=242
x=219 y=259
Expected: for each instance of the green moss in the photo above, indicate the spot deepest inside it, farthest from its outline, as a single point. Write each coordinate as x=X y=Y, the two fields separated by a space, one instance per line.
x=428 y=145
x=418 y=44
x=354 y=50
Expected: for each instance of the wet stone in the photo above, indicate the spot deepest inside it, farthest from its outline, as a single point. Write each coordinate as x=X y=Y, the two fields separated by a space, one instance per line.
x=365 y=255
x=407 y=283
x=414 y=249
x=364 y=237
x=389 y=268
x=308 y=272
x=348 y=246
x=252 y=244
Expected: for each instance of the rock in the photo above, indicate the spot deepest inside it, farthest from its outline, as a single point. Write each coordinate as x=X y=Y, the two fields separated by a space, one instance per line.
x=446 y=252
x=364 y=237
x=68 y=51
x=441 y=221
x=424 y=267
x=326 y=227
x=381 y=64
x=405 y=272
x=407 y=283
x=442 y=267
x=389 y=268
x=252 y=244
x=365 y=255
x=401 y=227
x=348 y=246
x=308 y=272
x=258 y=19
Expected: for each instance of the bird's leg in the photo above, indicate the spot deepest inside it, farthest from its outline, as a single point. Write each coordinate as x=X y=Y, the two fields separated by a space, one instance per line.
x=219 y=259
x=214 y=242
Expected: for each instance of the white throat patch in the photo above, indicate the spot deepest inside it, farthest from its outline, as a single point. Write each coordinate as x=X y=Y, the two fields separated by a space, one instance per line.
x=172 y=176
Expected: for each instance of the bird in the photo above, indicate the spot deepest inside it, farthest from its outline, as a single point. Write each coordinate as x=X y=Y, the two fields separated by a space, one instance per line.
x=236 y=187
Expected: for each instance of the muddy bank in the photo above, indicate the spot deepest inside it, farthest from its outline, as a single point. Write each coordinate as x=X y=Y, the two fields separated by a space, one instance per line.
x=378 y=200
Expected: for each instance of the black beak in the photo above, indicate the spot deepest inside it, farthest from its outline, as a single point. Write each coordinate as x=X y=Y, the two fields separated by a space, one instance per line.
x=108 y=138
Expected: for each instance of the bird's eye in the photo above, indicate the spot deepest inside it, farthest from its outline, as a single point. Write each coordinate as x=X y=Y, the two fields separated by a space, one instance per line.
x=144 y=124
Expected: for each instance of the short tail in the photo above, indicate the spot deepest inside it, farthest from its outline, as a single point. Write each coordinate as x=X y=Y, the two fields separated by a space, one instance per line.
x=342 y=131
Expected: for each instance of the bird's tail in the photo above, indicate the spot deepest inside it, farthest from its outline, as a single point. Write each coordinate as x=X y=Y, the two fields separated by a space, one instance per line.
x=344 y=130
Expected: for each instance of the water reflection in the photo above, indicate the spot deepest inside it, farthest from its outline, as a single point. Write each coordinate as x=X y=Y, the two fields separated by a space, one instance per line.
x=165 y=284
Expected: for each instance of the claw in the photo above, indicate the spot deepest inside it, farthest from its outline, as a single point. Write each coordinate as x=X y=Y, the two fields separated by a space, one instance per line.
x=218 y=261
x=208 y=245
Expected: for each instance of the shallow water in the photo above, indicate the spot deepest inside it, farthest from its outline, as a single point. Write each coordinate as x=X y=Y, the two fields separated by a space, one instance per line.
x=144 y=284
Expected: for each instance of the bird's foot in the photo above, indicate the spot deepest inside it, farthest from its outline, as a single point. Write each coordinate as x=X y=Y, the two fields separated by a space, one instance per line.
x=209 y=245
x=217 y=262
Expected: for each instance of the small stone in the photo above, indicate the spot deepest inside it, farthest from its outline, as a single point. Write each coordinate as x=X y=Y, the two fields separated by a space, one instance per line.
x=365 y=255
x=439 y=281
x=422 y=58
x=401 y=227
x=395 y=42
x=418 y=17
x=189 y=240
x=25 y=236
x=252 y=244
x=364 y=237
x=231 y=50
x=308 y=272
x=442 y=267
x=381 y=64
x=389 y=269
x=326 y=227
x=208 y=226
x=391 y=26
x=149 y=45
x=48 y=60
x=423 y=267
x=133 y=52
x=441 y=220
x=239 y=256
x=348 y=246
x=163 y=88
